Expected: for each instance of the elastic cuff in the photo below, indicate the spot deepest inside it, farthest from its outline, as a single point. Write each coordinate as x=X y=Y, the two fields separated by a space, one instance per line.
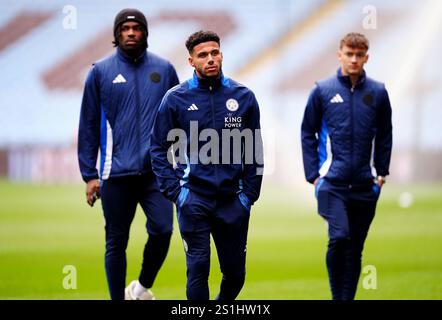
x=87 y=179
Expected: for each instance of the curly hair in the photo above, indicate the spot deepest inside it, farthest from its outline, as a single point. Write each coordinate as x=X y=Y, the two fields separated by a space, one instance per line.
x=200 y=37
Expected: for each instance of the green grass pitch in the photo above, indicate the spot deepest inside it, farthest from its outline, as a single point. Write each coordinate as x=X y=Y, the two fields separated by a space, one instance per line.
x=45 y=228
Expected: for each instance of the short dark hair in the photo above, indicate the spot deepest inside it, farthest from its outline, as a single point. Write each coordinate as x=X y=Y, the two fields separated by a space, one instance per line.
x=200 y=37
x=354 y=40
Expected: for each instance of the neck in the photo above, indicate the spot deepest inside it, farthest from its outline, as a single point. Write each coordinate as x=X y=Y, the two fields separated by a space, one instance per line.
x=354 y=79
x=213 y=82
x=133 y=53
x=200 y=76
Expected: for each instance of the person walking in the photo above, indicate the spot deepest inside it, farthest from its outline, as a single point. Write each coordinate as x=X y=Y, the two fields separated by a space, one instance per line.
x=121 y=97
x=346 y=143
x=213 y=185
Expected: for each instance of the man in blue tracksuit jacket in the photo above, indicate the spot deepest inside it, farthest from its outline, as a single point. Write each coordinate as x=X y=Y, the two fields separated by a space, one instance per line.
x=346 y=143
x=214 y=178
x=121 y=97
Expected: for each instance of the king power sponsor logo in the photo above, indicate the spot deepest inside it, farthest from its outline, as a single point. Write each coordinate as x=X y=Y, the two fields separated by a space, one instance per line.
x=231 y=121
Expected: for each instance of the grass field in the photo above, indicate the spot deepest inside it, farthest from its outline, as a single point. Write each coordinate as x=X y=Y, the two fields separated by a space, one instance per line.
x=44 y=228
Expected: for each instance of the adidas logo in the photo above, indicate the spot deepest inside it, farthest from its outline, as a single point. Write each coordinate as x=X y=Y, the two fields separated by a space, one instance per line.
x=337 y=99
x=119 y=79
x=193 y=107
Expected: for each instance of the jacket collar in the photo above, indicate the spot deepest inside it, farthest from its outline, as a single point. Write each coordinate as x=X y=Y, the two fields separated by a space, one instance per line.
x=128 y=59
x=206 y=83
x=346 y=79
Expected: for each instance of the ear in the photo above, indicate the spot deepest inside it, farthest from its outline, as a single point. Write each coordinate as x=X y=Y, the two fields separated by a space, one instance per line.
x=190 y=60
x=339 y=54
x=366 y=58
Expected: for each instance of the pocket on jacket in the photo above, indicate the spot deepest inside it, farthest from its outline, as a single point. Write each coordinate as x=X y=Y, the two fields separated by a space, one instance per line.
x=318 y=186
x=244 y=201
x=376 y=189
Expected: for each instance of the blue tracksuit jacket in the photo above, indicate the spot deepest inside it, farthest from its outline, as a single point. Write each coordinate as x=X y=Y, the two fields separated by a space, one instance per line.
x=216 y=104
x=120 y=101
x=347 y=132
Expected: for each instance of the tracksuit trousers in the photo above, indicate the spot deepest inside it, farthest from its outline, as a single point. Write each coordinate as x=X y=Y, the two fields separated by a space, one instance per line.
x=120 y=197
x=349 y=211
x=227 y=220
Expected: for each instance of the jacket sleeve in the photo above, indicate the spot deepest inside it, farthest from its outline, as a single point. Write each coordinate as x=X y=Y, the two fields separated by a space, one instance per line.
x=89 y=128
x=173 y=77
x=253 y=172
x=310 y=127
x=384 y=137
x=168 y=182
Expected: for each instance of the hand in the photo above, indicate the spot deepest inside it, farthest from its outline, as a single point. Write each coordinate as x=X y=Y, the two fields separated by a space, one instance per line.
x=92 y=191
x=316 y=181
x=380 y=181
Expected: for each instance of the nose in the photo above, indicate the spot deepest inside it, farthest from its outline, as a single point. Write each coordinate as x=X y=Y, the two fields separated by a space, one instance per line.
x=130 y=32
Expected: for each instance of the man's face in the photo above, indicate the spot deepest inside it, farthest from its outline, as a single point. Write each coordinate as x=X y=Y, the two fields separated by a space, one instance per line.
x=352 y=60
x=207 y=59
x=131 y=36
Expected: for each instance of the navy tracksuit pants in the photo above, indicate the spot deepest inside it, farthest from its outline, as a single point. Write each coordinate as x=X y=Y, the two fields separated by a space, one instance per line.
x=349 y=211
x=120 y=197
x=227 y=219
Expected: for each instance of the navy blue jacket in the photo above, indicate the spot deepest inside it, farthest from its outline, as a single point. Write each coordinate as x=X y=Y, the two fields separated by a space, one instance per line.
x=216 y=104
x=347 y=132
x=120 y=100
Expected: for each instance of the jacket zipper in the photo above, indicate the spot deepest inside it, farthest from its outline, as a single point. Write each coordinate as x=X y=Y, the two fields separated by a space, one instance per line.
x=212 y=105
x=351 y=135
x=137 y=115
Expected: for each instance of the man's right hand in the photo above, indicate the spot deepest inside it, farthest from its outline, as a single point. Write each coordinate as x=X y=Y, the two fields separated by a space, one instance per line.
x=92 y=191
x=316 y=181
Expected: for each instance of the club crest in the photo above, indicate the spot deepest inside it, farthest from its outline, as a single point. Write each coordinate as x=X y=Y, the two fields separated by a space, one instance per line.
x=232 y=105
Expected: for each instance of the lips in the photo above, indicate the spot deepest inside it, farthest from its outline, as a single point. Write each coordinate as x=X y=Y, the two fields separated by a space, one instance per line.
x=210 y=69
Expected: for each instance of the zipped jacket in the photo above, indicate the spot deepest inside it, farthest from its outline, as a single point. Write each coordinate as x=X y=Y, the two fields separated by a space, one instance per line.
x=347 y=131
x=210 y=164
x=120 y=101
